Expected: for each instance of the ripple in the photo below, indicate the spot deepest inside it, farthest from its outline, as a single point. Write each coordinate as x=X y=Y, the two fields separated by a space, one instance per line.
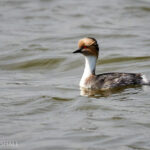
x=122 y=59
x=47 y=63
x=61 y=99
x=143 y=8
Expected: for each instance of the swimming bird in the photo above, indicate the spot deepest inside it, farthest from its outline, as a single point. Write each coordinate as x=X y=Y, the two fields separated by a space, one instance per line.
x=90 y=49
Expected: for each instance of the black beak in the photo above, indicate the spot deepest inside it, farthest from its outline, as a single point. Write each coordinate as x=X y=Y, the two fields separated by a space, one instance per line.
x=78 y=51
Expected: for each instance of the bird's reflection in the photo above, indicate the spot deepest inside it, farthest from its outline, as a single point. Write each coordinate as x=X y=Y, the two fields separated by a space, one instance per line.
x=103 y=93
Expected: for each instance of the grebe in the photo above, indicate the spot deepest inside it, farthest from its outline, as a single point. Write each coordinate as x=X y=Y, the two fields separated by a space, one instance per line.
x=90 y=49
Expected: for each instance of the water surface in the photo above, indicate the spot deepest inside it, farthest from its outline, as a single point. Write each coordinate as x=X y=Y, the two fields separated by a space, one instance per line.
x=40 y=102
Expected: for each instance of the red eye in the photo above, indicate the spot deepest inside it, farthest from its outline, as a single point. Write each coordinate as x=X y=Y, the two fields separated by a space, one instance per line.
x=84 y=46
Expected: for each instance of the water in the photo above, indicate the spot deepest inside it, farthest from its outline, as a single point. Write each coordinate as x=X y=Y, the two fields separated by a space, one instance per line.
x=40 y=102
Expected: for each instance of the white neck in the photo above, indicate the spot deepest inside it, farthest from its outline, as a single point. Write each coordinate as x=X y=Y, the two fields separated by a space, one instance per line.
x=90 y=64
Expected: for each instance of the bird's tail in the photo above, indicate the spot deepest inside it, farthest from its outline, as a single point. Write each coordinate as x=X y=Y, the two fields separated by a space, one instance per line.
x=145 y=81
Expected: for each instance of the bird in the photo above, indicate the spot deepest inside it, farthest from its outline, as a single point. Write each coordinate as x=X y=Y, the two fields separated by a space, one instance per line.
x=89 y=47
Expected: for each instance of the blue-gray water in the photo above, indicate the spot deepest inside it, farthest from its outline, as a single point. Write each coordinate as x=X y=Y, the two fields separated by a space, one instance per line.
x=40 y=103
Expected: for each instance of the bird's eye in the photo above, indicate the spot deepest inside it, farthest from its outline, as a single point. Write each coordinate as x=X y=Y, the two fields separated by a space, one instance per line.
x=84 y=46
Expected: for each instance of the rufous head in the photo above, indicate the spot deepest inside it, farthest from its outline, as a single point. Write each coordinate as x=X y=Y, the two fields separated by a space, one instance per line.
x=88 y=46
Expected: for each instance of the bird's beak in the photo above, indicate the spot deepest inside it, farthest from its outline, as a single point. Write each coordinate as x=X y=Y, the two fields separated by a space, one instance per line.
x=78 y=51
